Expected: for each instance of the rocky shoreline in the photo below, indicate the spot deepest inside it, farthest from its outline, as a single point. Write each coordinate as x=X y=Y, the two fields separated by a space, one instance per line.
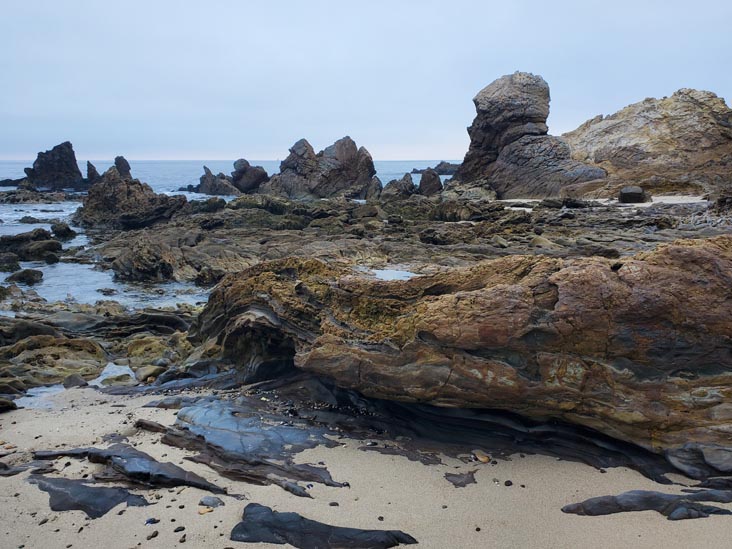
x=565 y=297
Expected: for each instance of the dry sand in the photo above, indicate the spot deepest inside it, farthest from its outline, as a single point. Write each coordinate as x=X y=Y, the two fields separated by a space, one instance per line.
x=410 y=496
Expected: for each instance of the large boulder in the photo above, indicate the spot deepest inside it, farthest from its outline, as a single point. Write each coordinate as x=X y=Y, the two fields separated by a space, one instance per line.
x=34 y=245
x=638 y=349
x=681 y=143
x=56 y=169
x=339 y=170
x=510 y=151
x=399 y=188
x=118 y=202
x=248 y=178
x=216 y=184
x=430 y=183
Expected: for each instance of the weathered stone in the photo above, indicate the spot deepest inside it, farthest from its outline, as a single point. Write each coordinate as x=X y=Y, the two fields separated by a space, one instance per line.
x=7 y=405
x=216 y=184
x=26 y=276
x=248 y=178
x=680 y=144
x=56 y=169
x=442 y=168
x=430 y=183
x=398 y=188
x=92 y=175
x=123 y=167
x=632 y=195
x=74 y=380
x=339 y=170
x=62 y=230
x=123 y=203
x=145 y=372
x=541 y=336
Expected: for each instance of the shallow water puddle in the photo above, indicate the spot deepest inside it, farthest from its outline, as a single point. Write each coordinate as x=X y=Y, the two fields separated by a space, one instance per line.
x=392 y=274
x=38 y=397
x=111 y=370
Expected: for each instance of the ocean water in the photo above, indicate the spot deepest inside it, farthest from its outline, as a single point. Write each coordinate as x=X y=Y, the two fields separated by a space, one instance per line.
x=83 y=282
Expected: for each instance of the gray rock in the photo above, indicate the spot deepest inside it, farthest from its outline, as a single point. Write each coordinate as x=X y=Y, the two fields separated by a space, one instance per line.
x=216 y=184
x=211 y=501
x=74 y=380
x=123 y=167
x=56 y=169
x=248 y=178
x=399 y=188
x=633 y=195
x=26 y=276
x=430 y=183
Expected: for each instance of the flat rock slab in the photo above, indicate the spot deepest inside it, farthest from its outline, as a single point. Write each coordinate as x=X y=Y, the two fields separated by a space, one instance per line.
x=71 y=495
x=261 y=524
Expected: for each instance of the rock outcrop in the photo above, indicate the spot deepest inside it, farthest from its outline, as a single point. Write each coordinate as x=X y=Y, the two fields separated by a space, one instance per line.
x=681 y=143
x=399 y=188
x=637 y=348
x=117 y=202
x=56 y=169
x=244 y=179
x=430 y=184
x=442 y=168
x=216 y=184
x=248 y=178
x=510 y=151
x=339 y=170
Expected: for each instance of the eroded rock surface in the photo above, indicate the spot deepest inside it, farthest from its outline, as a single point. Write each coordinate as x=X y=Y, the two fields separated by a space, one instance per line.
x=681 y=143
x=638 y=349
x=341 y=169
x=56 y=169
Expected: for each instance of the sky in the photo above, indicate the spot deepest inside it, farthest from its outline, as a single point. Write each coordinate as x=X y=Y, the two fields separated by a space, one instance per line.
x=223 y=79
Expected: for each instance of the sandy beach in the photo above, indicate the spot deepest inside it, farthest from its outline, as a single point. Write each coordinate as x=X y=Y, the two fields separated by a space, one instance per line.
x=407 y=495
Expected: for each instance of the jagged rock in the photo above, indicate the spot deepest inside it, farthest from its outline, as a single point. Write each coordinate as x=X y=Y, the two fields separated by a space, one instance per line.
x=26 y=276
x=373 y=191
x=510 y=150
x=339 y=170
x=632 y=195
x=430 y=183
x=398 y=188
x=56 y=169
x=442 y=168
x=62 y=230
x=216 y=184
x=92 y=175
x=248 y=178
x=681 y=143
x=123 y=167
x=537 y=335
x=118 y=202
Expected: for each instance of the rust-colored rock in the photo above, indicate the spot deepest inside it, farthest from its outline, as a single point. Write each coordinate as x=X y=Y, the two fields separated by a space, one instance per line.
x=640 y=349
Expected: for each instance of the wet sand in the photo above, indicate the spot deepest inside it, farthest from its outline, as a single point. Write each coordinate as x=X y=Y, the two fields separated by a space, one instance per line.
x=410 y=496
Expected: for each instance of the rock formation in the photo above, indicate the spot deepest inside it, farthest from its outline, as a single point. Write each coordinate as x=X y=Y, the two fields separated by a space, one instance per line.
x=510 y=151
x=399 y=188
x=216 y=184
x=248 y=178
x=637 y=348
x=56 y=169
x=430 y=184
x=92 y=175
x=681 y=143
x=442 y=168
x=339 y=170
x=118 y=202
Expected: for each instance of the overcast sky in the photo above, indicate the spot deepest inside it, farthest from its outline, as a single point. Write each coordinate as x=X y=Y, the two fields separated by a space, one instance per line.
x=224 y=79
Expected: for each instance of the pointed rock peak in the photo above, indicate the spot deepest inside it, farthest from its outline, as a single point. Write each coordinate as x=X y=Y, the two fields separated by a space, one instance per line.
x=302 y=148
x=92 y=174
x=123 y=167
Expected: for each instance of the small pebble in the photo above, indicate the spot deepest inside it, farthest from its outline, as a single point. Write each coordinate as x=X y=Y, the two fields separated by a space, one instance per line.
x=152 y=535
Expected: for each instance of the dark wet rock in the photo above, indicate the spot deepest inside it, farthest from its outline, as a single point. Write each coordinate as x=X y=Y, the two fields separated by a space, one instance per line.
x=119 y=202
x=26 y=276
x=123 y=167
x=74 y=380
x=7 y=405
x=442 y=168
x=129 y=464
x=260 y=524
x=92 y=175
x=146 y=372
x=29 y=220
x=688 y=505
x=632 y=195
x=398 y=189
x=430 y=183
x=461 y=480
x=510 y=150
x=248 y=178
x=367 y=335
x=62 y=231
x=77 y=495
x=30 y=246
x=9 y=262
x=56 y=169
x=207 y=206
x=339 y=170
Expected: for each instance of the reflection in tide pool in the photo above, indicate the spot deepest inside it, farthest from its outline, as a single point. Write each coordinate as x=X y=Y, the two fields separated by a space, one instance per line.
x=111 y=370
x=392 y=274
